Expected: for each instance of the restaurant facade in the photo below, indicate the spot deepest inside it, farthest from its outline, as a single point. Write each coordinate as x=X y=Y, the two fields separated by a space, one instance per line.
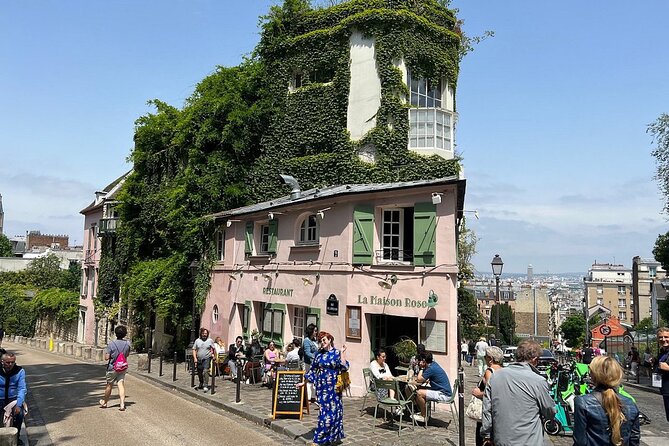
x=372 y=264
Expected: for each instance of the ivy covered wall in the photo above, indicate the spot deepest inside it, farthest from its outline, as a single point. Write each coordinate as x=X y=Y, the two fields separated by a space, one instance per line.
x=243 y=126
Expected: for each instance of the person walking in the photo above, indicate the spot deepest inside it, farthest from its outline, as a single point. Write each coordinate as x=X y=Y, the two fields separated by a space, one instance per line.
x=481 y=345
x=517 y=400
x=662 y=366
x=587 y=353
x=464 y=348
x=604 y=417
x=112 y=352
x=472 y=351
x=494 y=356
x=310 y=348
x=202 y=354
x=13 y=390
x=325 y=368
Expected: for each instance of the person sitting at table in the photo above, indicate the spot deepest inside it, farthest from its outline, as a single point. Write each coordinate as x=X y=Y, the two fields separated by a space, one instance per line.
x=221 y=353
x=235 y=351
x=414 y=367
x=380 y=370
x=440 y=386
x=270 y=356
x=293 y=351
x=253 y=352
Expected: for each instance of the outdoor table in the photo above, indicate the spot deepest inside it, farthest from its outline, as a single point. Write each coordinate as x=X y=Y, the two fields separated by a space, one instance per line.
x=401 y=369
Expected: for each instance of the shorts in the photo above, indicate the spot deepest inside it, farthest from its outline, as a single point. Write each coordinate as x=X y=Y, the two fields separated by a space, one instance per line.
x=113 y=377
x=435 y=395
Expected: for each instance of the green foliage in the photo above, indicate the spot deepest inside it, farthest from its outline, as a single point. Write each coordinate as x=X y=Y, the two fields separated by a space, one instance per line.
x=645 y=324
x=663 y=310
x=5 y=246
x=661 y=250
x=468 y=314
x=44 y=272
x=660 y=133
x=573 y=330
x=242 y=127
x=466 y=249
x=507 y=322
x=16 y=312
x=61 y=305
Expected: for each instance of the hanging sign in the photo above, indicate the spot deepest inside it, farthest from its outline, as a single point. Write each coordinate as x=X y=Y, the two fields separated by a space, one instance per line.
x=332 y=305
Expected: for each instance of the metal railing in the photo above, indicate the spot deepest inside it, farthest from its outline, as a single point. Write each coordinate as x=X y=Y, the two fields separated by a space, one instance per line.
x=107 y=226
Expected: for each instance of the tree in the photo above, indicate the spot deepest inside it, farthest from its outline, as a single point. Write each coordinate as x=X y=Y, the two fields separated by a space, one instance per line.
x=469 y=316
x=466 y=249
x=644 y=324
x=44 y=272
x=573 y=330
x=660 y=133
x=5 y=246
x=507 y=322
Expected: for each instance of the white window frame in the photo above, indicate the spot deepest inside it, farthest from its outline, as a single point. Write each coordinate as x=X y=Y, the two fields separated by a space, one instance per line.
x=622 y=315
x=622 y=289
x=383 y=257
x=220 y=245
x=309 y=234
x=214 y=314
x=299 y=317
x=263 y=245
x=622 y=303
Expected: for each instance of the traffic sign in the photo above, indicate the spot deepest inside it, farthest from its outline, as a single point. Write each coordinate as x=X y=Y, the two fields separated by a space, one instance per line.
x=605 y=330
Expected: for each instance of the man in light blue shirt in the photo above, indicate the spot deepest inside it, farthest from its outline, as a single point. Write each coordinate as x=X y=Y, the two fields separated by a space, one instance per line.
x=517 y=400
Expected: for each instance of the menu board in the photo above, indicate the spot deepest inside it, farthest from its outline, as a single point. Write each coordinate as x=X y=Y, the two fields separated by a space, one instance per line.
x=433 y=335
x=288 y=399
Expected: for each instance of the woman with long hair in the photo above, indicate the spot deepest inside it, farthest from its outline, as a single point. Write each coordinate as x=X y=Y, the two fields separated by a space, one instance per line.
x=327 y=364
x=604 y=417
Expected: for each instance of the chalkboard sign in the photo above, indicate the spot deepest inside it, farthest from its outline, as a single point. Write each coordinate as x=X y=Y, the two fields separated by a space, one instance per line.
x=288 y=399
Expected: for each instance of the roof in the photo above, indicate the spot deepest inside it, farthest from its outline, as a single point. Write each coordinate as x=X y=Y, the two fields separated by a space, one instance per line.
x=316 y=194
x=111 y=190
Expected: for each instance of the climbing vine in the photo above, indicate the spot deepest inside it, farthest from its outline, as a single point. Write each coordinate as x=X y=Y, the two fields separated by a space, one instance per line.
x=244 y=125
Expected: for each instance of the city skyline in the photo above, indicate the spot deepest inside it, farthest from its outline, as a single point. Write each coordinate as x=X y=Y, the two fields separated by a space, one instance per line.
x=552 y=115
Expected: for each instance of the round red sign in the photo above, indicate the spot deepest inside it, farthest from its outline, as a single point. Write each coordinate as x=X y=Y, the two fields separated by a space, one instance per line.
x=605 y=330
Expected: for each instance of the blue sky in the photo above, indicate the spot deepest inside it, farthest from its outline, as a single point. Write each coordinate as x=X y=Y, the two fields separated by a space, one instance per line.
x=552 y=113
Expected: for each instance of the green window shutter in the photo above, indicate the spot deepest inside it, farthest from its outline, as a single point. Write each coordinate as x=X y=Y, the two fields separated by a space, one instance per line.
x=424 y=234
x=273 y=231
x=363 y=235
x=313 y=315
x=248 y=242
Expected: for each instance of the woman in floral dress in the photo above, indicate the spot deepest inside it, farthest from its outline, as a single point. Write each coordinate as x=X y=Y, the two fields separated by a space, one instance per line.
x=325 y=367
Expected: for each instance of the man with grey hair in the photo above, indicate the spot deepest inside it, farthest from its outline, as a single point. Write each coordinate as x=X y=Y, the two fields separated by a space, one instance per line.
x=517 y=400
x=12 y=389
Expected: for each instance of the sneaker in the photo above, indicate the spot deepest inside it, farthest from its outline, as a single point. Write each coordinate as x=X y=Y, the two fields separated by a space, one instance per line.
x=397 y=411
x=205 y=388
x=418 y=418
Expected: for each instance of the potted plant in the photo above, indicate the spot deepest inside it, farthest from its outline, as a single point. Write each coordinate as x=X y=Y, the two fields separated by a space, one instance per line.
x=404 y=349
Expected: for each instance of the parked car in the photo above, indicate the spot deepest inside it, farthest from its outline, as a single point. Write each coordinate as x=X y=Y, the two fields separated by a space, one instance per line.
x=547 y=359
x=509 y=354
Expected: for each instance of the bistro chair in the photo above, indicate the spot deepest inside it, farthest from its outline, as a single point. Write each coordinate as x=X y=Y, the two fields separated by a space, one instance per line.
x=257 y=368
x=404 y=403
x=451 y=402
x=369 y=388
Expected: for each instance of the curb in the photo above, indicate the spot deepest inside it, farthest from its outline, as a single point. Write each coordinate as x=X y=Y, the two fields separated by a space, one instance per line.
x=642 y=387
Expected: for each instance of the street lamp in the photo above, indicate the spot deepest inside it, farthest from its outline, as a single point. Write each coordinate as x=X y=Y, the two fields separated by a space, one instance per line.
x=194 y=266
x=497 y=266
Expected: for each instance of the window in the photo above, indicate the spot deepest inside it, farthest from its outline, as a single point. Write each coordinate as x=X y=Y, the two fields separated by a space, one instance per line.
x=623 y=315
x=264 y=239
x=397 y=235
x=622 y=303
x=652 y=271
x=309 y=230
x=599 y=301
x=621 y=289
x=600 y=290
x=220 y=245
x=430 y=125
x=298 y=321
x=84 y=283
x=245 y=314
x=214 y=314
x=424 y=93
x=272 y=324
x=487 y=312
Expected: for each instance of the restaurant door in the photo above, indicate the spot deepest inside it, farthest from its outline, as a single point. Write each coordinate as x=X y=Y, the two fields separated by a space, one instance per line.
x=386 y=330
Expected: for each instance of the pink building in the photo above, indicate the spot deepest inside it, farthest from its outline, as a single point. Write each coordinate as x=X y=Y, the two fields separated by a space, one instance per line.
x=368 y=263
x=100 y=220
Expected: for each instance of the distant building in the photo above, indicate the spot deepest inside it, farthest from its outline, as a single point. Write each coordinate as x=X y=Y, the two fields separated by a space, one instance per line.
x=530 y=273
x=610 y=286
x=35 y=240
x=532 y=311
x=647 y=276
x=484 y=291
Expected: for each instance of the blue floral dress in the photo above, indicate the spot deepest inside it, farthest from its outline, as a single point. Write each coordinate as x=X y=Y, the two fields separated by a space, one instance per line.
x=323 y=373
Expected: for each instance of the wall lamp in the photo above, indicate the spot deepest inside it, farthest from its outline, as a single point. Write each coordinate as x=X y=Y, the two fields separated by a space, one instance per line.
x=388 y=282
x=230 y=222
x=266 y=276
x=272 y=214
x=306 y=281
x=233 y=276
x=321 y=213
x=436 y=197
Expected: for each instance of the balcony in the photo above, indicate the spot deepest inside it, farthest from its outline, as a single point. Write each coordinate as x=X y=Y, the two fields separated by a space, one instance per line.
x=89 y=257
x=107 y=226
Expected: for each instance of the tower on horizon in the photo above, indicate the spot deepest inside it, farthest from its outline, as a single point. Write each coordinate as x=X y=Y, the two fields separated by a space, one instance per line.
x=530 y=273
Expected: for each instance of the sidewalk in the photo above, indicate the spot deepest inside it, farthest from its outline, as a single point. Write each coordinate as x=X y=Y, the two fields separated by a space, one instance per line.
x=255 y=406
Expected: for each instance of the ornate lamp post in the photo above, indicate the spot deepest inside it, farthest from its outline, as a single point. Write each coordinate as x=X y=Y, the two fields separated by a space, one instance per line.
x=497 y=266
x=194 y=266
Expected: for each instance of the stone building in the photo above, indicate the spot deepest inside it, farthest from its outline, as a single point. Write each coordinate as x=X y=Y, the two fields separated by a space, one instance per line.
x=647 y=277
x=611 y=286
x=37 y=240
x=533 y=311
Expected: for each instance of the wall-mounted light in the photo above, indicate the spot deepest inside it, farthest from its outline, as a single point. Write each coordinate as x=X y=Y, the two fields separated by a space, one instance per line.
x=385 y=285
x=271 y=215
x=266 y=276
x=388 y=282
x=230 y=222
x=306 y=281
x=436 y=197
x=321 y=213
x=233 y=276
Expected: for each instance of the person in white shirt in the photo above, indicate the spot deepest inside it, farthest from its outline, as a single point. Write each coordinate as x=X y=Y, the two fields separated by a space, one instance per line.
x=464 y=348
x=380 y=370
x=292 y=353
x=481 y=347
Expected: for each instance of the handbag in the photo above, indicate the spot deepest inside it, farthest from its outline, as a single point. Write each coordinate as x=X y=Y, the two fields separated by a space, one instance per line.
x=657 y=380
x=474 y=409
x=343 y=382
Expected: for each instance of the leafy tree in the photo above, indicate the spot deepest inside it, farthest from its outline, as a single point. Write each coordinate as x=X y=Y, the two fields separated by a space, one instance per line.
x=644 y=324
x=663 y=310
x=466 y=249
x=5 y=246
x=44 y=272
x=573 y=330
x=469 y=316
x=16 y=311
x=507 y=322
x=660 y=133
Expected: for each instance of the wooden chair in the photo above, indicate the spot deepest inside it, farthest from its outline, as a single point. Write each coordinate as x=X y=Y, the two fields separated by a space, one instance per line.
x=369 y=388
x=451 y=402
x=399 y=400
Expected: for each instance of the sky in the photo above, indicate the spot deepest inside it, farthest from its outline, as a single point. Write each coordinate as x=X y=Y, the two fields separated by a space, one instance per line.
x=553 y=112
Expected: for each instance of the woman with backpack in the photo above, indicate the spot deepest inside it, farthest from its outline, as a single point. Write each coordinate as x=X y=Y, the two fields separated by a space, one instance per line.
x=116 y=355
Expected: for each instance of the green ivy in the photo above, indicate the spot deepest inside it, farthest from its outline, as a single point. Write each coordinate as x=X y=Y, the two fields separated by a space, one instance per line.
x=242 y=127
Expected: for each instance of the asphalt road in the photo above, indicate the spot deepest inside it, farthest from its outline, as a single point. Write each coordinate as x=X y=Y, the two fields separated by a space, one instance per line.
x=65 y=395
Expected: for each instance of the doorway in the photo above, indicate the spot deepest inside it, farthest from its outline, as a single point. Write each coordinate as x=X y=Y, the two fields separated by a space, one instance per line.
x=386 y=330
